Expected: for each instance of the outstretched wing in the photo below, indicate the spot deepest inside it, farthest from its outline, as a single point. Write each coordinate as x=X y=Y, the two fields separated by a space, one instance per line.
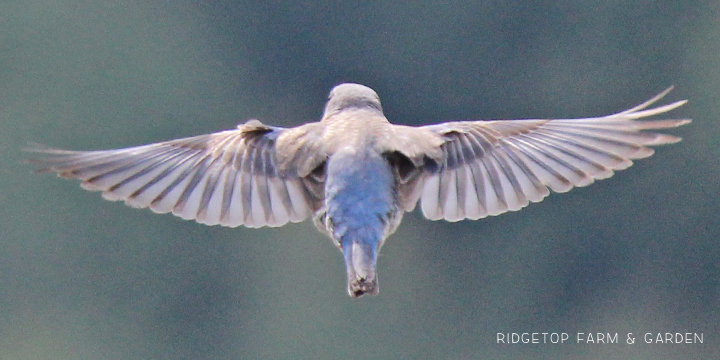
x=491 y=167
x=228 y=178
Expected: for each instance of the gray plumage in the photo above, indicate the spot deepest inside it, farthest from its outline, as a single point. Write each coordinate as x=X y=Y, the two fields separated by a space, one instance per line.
x=357 y=173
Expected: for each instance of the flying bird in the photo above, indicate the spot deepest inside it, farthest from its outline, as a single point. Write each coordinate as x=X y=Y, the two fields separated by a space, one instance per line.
x=356 y=174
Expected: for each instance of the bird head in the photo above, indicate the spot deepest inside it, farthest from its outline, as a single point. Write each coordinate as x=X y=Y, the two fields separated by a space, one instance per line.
x=349 y=95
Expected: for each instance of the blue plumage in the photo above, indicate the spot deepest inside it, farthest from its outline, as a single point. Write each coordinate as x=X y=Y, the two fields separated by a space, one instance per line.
x=356 y=173
x=361 y=206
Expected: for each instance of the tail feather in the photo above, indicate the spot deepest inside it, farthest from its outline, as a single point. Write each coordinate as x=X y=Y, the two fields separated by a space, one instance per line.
x=360 y=259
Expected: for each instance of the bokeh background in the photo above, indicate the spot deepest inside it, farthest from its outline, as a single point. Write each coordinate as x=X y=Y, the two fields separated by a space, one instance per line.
x=82 y=278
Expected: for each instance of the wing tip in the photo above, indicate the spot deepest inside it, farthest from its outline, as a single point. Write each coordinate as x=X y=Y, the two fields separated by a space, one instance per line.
x=681 y=122
x=642 y=111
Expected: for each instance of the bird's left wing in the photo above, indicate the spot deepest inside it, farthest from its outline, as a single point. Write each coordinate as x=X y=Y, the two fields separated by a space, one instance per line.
x=491 y=167
x=228 y=178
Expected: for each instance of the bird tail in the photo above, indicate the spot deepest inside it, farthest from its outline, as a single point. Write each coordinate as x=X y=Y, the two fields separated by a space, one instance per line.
x=360 y=260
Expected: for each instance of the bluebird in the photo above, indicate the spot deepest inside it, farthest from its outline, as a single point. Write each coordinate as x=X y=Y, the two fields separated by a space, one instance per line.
x=356 y=174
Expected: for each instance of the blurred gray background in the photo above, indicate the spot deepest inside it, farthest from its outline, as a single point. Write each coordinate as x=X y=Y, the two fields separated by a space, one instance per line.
x=83 y=278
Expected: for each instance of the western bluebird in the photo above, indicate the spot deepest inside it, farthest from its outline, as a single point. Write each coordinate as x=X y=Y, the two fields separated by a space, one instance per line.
x=357 y=174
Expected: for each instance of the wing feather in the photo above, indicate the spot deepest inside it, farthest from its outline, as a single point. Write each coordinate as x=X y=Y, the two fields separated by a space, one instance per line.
x=228 y=178
x=491 y=167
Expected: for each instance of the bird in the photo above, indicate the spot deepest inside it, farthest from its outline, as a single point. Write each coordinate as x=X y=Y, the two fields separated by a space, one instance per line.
x=356 y=174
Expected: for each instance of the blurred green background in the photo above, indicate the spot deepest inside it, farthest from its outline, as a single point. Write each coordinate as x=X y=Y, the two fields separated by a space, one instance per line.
x=82 y=278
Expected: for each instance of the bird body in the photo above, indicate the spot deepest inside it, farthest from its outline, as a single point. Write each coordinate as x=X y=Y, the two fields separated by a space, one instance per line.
x=356 y=173
x=360 y=211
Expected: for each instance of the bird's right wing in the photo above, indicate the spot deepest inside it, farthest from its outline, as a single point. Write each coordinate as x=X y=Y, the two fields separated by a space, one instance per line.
x=491 y=167
x=229 y=178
